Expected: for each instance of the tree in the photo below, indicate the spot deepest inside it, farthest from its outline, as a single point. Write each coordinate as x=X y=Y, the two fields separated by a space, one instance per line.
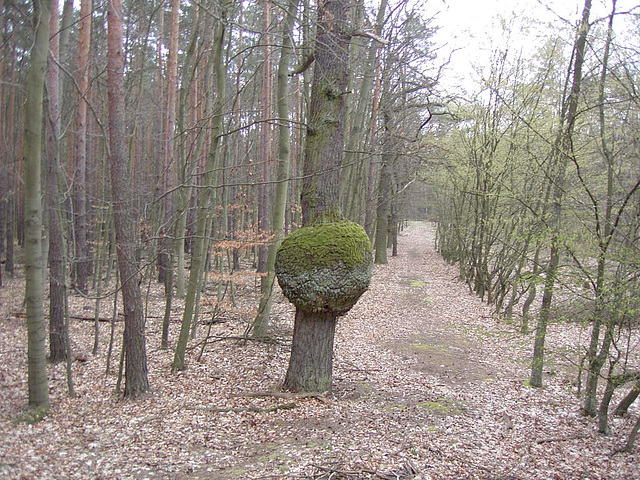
x=136 y=378
x=57 y=280
x=562 y=150
x=34 y=295
x=198 y=257
x=82 y=264
x=325 y=266
x=282 y=176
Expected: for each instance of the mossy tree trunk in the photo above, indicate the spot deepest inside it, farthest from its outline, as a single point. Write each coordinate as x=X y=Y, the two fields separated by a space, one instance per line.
x=310 y=365
x=325 y=131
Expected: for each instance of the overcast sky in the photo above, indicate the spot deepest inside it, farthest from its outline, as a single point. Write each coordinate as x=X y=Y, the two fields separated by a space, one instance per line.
x=474 y=26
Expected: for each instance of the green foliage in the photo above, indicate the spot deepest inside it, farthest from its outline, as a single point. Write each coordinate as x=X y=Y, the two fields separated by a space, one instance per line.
x=444 y=407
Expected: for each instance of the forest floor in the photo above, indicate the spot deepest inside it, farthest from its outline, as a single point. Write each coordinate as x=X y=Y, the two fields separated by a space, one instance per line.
x=428 y=384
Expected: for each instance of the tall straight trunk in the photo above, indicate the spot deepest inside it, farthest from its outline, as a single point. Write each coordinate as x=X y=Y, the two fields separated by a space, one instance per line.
x=198 y=257
x=282 y=184
x=605 y=231
x=265 y=157
x=355 y=143
x=34 y=274
x=4 y=150
x=82 y=264
x=10 y=205
x=188 y=92
x=382 y=210
x=57 y=281
x=165 y=260
x=561 y=154
x=136 y=377
x=371 y=171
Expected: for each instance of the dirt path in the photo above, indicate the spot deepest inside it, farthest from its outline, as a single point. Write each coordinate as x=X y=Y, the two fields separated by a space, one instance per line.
x=427 y=385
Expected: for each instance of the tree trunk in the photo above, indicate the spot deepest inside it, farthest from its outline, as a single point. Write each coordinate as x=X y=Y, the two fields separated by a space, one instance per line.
x=82 y=264
x=562 y=150
x=34 y=294
x=325 y=132
x=188 y=159
x=284 y=145
x=136 y=379
x=632 y=436
x=382 y=210
x=356 y=141
x=265 y=156
x=198 y=256
x=629 y=398
x=165 y=259
x=605 y=232
x=57 y=281
x=311 y=364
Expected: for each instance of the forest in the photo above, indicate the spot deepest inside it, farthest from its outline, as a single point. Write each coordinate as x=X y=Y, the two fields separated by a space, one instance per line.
x=248 y=240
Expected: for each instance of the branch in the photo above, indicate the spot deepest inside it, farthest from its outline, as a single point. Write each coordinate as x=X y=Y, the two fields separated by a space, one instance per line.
x=303 y=68
x=371 y=35
x=284 y=406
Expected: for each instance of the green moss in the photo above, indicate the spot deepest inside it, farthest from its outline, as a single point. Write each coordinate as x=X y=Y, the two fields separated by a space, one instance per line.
x=32 y=415
x=325 y=267
x=324 y=245
x=423 y=347
x=442 y=407
x=415 y=283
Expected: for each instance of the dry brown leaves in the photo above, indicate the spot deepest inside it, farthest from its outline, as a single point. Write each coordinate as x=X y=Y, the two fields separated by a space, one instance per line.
x=427 y=385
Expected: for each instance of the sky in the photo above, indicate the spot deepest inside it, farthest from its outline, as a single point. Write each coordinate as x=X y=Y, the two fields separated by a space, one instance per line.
x=473 y=27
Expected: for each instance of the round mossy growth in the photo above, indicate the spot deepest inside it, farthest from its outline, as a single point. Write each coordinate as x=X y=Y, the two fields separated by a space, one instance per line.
x=325 y=267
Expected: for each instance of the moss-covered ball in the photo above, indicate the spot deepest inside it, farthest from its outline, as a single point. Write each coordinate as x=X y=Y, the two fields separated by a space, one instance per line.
x=325 y=267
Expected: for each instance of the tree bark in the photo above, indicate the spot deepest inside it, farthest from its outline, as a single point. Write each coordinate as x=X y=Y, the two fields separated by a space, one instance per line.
x=82 y=264
x=198 y=257
x=284 y=147
x=57 y=281
x=605 y=233
x=34 y=294
x=382 y=211
x=265 y=155
x=136 y=377
x=627 y=401
x=325 y=132
x=310 y=365
x=562 y=150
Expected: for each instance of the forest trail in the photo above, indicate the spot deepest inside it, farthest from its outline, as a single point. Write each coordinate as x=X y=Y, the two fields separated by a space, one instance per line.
x=427 y=385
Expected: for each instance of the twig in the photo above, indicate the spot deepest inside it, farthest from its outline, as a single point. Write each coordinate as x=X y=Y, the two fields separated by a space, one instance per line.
x=285 y=406
x=276 y=394
x=562 y=439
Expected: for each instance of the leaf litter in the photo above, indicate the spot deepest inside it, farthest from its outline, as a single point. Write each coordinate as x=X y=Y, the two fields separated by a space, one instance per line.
x=428 y=384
